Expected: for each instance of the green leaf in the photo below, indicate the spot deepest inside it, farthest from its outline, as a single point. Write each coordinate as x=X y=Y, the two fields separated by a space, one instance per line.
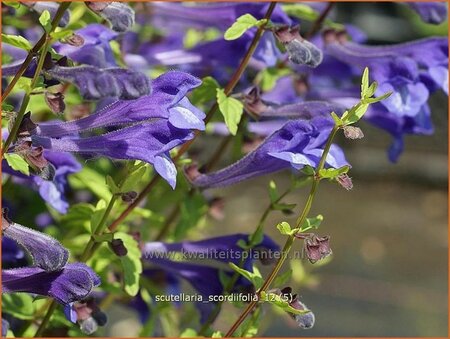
x=377 y=99
x=217 y=334
x=17 y=163
x=331 y=173
x=79 y=215
x=365 y=83
x=206 y=92
x=242 y=24
x=231 y=110
x=311 y=223
x=371 y=90
x=44 y=19
x=257 y=237
x=255 y=278
x=337 y=121
x=133 y=178
x=131 y=263
x=16 y=41
x=284 y=228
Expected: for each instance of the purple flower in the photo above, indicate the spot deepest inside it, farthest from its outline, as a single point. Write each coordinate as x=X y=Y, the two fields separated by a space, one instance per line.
x=50 y=274
x=167 y=100
x=296 y=144
x=95 y=51
x=95 y=83
x=46 y=252
x=430 y=12
x=148 y=141
x=74 y=282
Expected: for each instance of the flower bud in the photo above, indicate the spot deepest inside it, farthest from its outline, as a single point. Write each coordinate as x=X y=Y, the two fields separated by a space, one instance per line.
x=129 y=197
x=118 y=247
x=46 y=252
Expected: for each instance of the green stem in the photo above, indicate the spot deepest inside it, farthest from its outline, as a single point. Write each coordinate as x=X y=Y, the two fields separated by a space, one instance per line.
x=46 y=319
x=290 y=240
x=87 y=253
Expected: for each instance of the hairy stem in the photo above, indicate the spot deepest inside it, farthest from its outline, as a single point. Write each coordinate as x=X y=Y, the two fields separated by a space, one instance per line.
x=290 y=240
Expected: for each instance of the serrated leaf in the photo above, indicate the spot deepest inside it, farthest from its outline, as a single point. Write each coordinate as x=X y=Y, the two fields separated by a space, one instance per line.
x=131 y=263
x=240 y=26
x=16 y=41
x=231 y=110
x=17 y=163
x=44 y=20
x=284 y=228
